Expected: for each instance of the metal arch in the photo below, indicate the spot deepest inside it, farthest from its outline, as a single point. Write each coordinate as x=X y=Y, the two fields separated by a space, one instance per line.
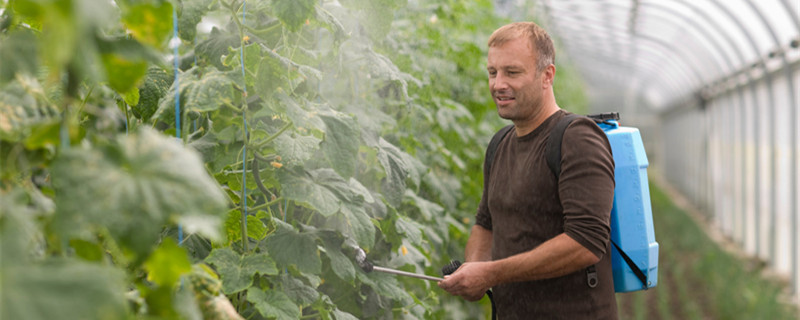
x=703 y=32
x=662 y=18
x=680 y=62
x=773 y=173
x=792 y=14
x=650 y=66
x=792 y=143
x=644 y=58
x=754 y=96
x=640 y=62
x=660 y=43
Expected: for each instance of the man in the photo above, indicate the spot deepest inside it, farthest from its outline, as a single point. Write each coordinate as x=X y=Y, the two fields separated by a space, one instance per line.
x=535 y=237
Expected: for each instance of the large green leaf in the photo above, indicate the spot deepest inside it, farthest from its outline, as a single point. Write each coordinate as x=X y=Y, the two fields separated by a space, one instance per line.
x=342 y=265
x=396 y=168
x=155 y=86
x=211 y=92
x=290 y=247
x=273 y=304
x=342 y=138
x=167 y=264
x=295 y=148
x=354 y=222
x=133 y=186
x=61 y=289
x=237 y=271
x=217 y=45
x=322 y=189
x=428 y=209
x=191 y=13
x=297 y=290
x=21 y=111
x=149 y=22
x=233 y=227
x=294 y=13
x=19 y=52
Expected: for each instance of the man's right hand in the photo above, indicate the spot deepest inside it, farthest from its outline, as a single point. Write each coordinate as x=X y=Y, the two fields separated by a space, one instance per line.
x=470 y=281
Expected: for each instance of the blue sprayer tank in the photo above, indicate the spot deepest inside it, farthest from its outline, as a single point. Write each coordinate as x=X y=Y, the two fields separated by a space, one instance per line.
x=631 y=216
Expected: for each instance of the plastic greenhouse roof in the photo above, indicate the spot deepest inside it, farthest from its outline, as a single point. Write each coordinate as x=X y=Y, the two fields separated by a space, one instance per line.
x=660 y=53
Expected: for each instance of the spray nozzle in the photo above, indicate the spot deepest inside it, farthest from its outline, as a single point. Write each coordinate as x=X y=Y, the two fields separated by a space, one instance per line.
x=451 y=267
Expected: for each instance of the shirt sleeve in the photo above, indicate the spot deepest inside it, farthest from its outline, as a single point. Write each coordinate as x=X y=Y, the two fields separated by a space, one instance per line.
x=586 y=185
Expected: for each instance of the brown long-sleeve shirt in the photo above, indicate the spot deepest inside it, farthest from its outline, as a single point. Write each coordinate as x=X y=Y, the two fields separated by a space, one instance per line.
x=523 y=205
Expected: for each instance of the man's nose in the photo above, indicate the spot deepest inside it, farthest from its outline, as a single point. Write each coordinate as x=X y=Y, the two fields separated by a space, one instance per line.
x=499 y=82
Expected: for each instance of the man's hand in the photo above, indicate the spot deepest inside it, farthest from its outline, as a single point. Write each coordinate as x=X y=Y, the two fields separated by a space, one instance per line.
x=470 y=281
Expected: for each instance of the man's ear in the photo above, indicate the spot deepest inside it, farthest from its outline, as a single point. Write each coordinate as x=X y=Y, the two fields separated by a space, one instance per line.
x=549 y=75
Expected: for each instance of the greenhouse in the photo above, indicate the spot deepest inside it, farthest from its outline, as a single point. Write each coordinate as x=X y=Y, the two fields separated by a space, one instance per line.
x=329 y=159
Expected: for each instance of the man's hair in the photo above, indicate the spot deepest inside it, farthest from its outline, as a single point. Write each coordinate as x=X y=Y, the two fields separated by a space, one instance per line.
x=538 y=37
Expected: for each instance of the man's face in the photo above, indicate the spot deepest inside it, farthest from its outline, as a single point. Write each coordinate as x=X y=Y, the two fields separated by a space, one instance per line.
x=514 y=82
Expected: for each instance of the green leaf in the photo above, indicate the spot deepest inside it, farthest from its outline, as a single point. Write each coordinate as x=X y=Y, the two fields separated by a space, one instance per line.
x=237 y=271
x=191 y=14
x=300 y=117
x=124 y=61
x=321 y=189
x=295 y=148
x=62 y=289
x=133 y=186
x=167 y=264
x=411 y=229
x=342 y=265
x=354 y=222
x=19 y=52
x=156 y=85
x=289 y=247
x=256 y=229
x=44 y=135
x=123 y=74
x=396 y=168
x=428 y=209
x=273 y=304
x=217 y=44
x=149 y=22
x=341 y=315
x=294 y=14
x=270 y=75
x=210 y=92
x=131 y=97
x=252 y=64
x=342 y=137
x=299 y=292
x=88 y=251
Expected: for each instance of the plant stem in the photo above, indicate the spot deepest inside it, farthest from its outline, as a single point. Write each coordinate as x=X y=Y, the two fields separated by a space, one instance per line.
x=274 y=136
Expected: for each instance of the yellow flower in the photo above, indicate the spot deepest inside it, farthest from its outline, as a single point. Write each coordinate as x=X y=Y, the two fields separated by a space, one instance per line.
x=276 y=165
x=404 y=250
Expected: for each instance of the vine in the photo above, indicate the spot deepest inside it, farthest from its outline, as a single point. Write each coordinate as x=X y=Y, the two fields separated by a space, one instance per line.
x=367 y=112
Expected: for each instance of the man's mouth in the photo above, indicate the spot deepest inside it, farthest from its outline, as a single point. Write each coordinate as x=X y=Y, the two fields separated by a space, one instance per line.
x=505 y=98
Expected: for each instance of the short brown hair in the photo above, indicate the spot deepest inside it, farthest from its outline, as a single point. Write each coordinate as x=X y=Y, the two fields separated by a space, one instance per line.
x=538 y=37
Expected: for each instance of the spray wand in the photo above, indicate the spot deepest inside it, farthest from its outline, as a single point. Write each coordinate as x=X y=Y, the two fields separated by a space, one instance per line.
x=367 y=266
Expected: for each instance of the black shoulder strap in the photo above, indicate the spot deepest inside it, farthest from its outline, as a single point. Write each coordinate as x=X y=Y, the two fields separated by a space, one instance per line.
x=492 y=149
x=553 y=151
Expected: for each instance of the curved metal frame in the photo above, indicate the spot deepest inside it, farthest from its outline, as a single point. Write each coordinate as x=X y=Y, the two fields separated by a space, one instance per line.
x=787 y=68
x=688 y=69
x=690 y=64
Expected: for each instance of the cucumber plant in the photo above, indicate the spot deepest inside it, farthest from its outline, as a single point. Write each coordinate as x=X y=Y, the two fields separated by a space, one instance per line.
x=306 y=128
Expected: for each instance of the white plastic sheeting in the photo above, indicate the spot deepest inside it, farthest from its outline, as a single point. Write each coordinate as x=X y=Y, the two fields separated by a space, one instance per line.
x=714 y=86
